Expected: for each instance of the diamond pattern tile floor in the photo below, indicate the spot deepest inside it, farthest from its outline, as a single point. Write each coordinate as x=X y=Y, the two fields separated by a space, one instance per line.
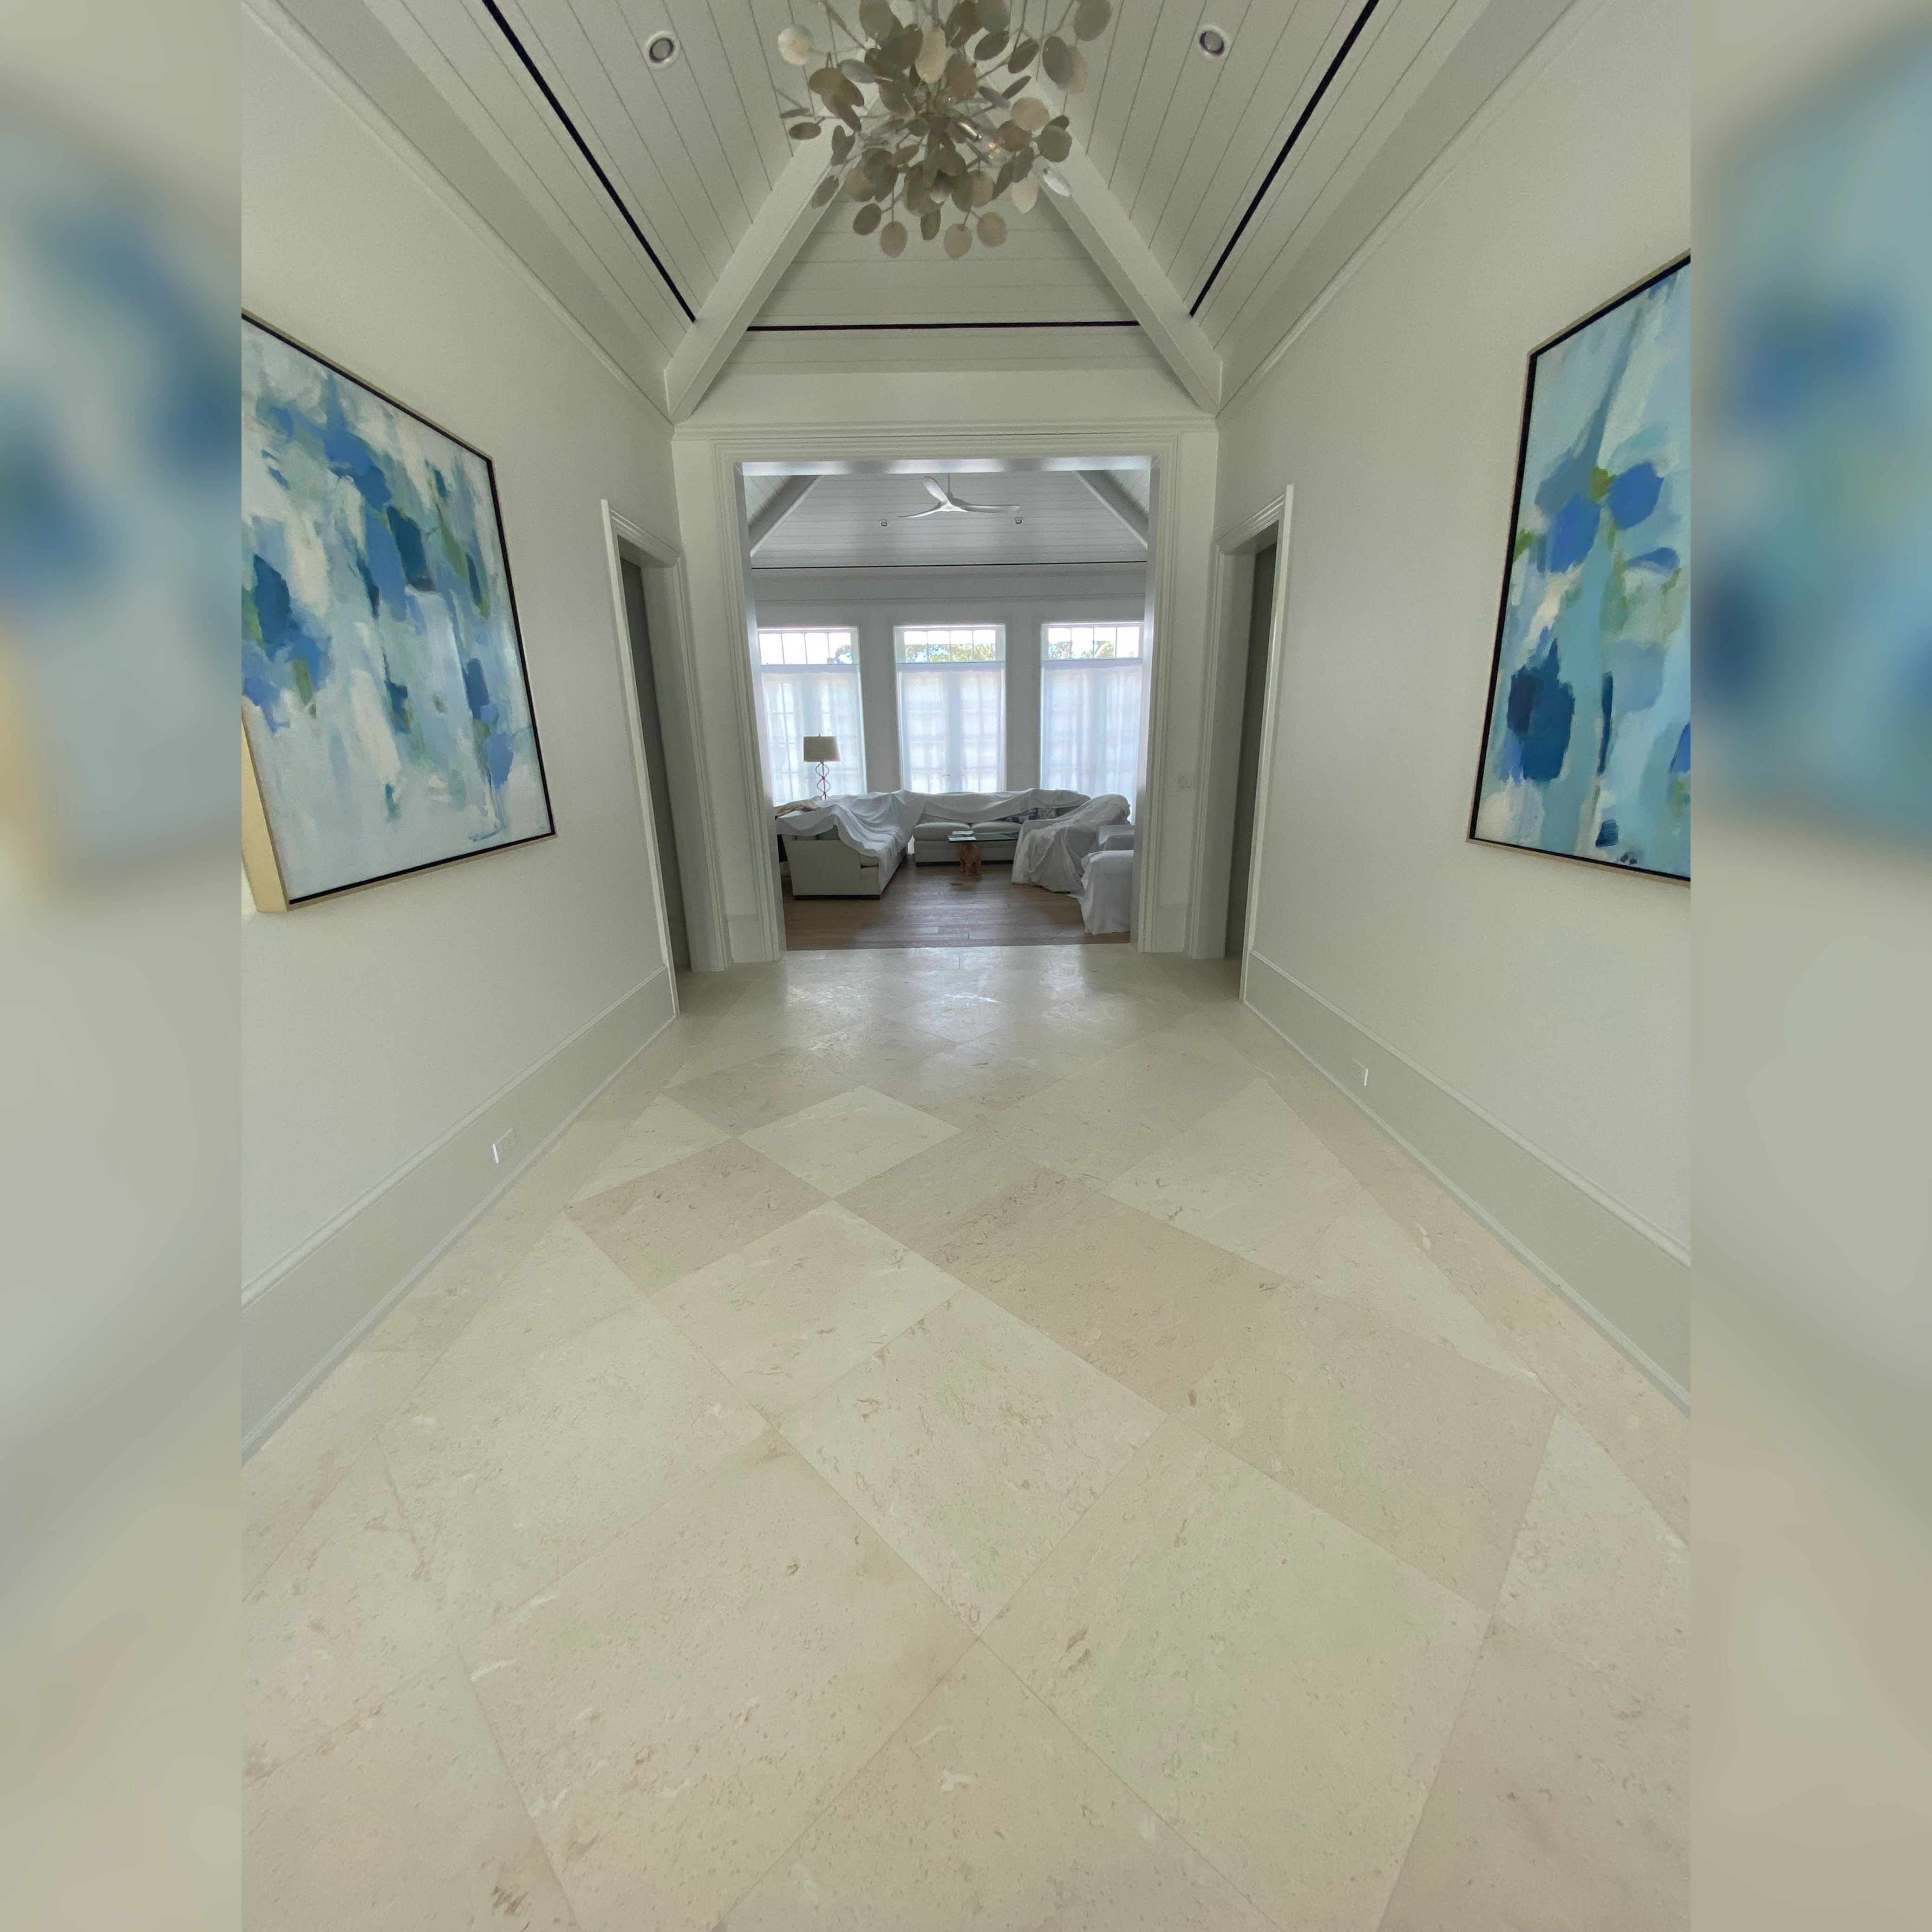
x=1043 y=1459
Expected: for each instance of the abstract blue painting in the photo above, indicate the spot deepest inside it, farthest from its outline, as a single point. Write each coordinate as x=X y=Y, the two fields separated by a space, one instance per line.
x=1586 y=751
x=387 y=714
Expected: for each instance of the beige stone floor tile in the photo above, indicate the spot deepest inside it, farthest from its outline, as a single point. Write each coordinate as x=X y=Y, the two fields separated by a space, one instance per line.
x=663 y=1225
x=565 y=1284
x=651 y=1070
x=1132 y=1295
x=441 y=1305
x=509 y=1229
x=742 y=1036
x=927 y=1201
x=1644 y=1431
x=985 y=1810
x=1247 y=1176
x=345 y=1617
x=291 y=1475
x=971 y=1443
x=787 y=1316
x=662 y=1133
x=1363 y=1257
x=510 y=1478
x=1277 y=1687
x=1427 y=1452
x=971 y=1083
x=1599 y=1576
x=1560 y=1802
x=849 y=1139
x=678 y=1709
x=407 y=1821
x=754 y=1093
x=1097 y=1123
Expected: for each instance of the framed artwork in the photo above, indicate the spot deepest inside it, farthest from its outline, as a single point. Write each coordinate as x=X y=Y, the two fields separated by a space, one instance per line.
x=1586 y=745
x=386 y=716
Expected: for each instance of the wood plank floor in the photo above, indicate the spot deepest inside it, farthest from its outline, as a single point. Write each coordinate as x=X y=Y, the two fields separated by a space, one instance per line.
x=933 y=905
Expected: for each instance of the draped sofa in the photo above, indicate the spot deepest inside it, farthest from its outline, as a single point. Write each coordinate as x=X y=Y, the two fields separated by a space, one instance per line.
x=850 y=847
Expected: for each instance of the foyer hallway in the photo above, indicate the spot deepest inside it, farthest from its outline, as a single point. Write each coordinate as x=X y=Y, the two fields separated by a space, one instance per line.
x=984 y=1436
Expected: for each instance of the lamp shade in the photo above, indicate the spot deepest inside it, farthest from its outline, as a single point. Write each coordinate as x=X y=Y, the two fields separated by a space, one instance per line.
x=821 y=751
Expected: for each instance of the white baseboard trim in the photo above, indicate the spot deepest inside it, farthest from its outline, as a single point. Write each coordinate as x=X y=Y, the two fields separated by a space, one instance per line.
x=1630 y=1280
x=746 y=933
x=300 y=1317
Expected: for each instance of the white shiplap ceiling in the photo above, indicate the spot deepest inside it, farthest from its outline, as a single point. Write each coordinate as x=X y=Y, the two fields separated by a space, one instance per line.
x=859 y=522
x=1228 y=171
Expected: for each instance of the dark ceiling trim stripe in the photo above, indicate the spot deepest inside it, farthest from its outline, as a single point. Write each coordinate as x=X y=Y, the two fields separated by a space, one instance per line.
x=1342 y=53
x=846 y=328
x=535 y=72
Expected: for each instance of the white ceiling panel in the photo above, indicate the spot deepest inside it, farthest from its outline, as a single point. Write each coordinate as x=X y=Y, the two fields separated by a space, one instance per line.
x=1041 y=273
x=853 y=522
x=1228 y=170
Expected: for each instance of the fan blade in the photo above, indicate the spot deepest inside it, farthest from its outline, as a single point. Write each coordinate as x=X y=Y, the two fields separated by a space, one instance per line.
x=938 y=491
x=987 y=509
x=914 y=516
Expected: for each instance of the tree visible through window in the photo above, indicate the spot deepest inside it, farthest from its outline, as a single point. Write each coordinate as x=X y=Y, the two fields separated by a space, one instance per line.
x=1092 y=690
x=808 y=686
x=952 y=706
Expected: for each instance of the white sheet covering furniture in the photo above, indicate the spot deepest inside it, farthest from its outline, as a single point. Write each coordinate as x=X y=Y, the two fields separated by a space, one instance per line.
x=850 y=847
x=1050 y=854
x=1107 y=891
x=996 y=816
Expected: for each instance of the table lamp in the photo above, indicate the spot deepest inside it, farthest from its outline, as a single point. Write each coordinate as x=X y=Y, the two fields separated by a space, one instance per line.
x=821 y=752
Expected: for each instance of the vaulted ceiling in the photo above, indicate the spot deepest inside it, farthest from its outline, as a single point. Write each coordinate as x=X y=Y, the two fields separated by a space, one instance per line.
x=871 y=520
x=1211 y=198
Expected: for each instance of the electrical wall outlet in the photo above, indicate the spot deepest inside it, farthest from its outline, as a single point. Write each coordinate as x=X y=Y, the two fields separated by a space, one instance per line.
x=1358 y=1073
x=503 y=1146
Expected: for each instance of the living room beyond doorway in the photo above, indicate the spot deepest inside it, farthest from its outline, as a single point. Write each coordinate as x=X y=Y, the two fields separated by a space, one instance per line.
x=950 y=683
x=940 y=905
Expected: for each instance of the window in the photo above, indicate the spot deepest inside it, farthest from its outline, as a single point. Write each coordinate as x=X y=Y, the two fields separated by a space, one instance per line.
x=808 y=686
x=1091 y=683
x=952 y=706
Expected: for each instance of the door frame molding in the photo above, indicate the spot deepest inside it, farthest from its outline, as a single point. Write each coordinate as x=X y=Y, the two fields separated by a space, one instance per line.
x=1229 y=620
x=657 y=556
x=937 y=445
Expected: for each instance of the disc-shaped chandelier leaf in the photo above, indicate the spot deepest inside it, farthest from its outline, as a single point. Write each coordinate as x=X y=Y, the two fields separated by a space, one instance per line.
x=932 y=110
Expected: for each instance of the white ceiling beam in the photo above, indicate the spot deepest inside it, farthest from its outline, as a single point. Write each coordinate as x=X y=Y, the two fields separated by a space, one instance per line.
x=1112 y=497
x=1107 y=234
x=785 y=499
x=777 y=231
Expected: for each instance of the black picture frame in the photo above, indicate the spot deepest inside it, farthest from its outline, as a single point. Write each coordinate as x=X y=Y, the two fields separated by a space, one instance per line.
x=251 y=320
x=1543 y=348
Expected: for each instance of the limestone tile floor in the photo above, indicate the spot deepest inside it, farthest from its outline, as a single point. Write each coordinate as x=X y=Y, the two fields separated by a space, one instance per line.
x=980 y=1438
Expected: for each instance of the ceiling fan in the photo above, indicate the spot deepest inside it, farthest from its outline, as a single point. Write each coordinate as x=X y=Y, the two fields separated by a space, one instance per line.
x=945 y=501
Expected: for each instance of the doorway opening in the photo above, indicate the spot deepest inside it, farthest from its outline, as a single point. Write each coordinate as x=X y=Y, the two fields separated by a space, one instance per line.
x=1251 y=596
x=659 y=681
x=1247 y=769
x=657 y=796
x=951 y=683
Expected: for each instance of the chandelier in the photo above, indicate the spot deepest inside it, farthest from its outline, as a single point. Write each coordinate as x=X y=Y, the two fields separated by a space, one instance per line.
x=935 y=115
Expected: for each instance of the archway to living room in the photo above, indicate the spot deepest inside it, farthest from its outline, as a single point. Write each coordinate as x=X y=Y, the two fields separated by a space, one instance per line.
x=950 y=681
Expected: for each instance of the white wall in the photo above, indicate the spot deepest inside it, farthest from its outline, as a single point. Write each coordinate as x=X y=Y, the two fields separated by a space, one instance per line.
x=750 y=416
x=1553 y=996
x=1022 y=598
x=376 y=1023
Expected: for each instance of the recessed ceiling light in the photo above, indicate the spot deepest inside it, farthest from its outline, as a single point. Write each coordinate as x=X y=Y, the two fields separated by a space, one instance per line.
x=1213 y=41
x=661 y=50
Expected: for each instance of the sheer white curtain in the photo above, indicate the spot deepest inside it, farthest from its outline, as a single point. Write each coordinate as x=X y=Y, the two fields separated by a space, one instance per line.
x=1093 y=685
x=952 y=706
x=808 y=686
